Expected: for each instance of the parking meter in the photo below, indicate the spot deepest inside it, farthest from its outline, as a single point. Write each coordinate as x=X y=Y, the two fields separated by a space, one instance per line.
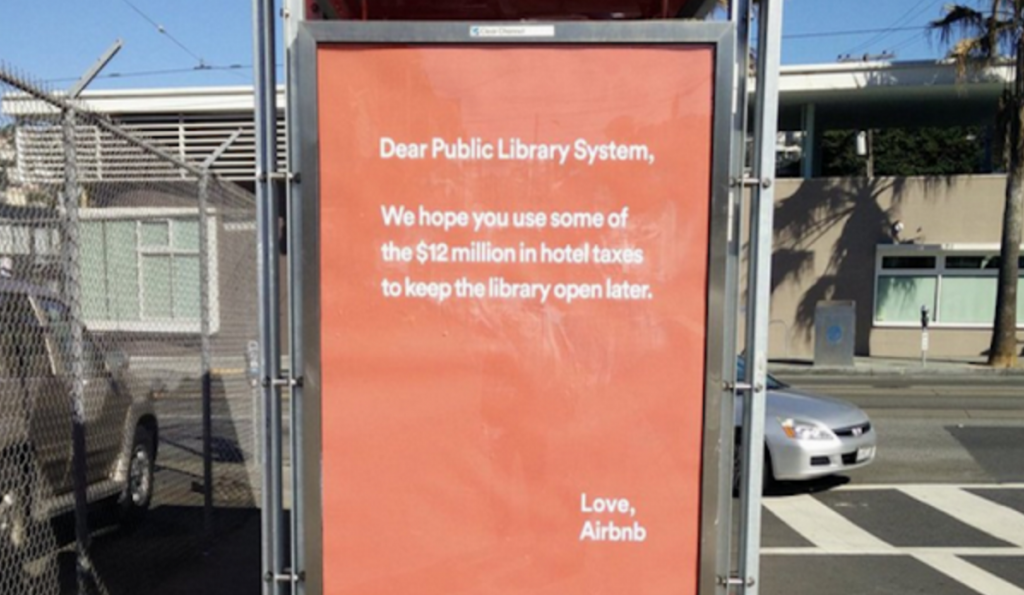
x=924 y=335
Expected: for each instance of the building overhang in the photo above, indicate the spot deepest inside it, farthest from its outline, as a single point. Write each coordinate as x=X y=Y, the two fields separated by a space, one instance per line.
x=865 y=95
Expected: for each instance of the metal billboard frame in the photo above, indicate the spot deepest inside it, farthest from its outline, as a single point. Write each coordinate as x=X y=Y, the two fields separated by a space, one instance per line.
x=306 y=572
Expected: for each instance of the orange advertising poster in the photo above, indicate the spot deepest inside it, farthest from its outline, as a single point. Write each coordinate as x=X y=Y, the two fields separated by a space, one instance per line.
x=513 y=289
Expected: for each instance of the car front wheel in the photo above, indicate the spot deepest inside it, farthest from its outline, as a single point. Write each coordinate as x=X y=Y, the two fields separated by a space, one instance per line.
x=767 y=474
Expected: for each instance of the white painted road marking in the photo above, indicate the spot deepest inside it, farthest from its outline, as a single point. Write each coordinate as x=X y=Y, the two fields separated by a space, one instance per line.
x=969 y=575
x=822 y=526
x=832 y=534
x=995 y=519
x=876 y=487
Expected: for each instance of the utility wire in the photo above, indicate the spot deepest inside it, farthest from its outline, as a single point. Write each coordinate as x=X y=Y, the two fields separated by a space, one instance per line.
x=163 y=31
x=850 y=32
x=905 y=18
x=900 y=21
x=143 y=73
x=909 y=41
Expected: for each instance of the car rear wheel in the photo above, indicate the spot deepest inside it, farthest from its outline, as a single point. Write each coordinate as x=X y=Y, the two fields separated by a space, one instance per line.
x=767 y=473
x=138 y=490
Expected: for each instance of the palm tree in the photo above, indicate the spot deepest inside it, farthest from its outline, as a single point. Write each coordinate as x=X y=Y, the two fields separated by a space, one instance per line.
x=981 y=37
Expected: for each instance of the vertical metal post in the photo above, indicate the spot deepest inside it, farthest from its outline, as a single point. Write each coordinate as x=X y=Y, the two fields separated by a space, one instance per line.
x=72 y=293
x=294 y=12
x=739 y=15
x=204 y=329
x=204 y=350
x=870 y=164
x=268 y=289
x=808 y=118
x=769 y=35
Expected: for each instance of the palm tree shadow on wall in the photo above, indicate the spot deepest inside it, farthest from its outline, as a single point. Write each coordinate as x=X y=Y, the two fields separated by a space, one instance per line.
x=852 y=208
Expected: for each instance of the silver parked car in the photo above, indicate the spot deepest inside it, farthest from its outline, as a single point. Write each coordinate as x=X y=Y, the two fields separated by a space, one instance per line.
x=809 y=436
x=37 y=355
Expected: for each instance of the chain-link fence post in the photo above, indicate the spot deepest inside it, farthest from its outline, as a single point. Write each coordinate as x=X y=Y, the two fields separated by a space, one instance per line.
x=204 y=342
x=72 y=291
x=204 y=329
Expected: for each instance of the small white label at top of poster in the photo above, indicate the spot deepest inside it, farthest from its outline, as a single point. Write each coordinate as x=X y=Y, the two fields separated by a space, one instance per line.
x=512 y=31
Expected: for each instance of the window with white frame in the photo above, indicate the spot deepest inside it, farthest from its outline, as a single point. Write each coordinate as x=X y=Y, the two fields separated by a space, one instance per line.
x=141 y=270
x=957 y=283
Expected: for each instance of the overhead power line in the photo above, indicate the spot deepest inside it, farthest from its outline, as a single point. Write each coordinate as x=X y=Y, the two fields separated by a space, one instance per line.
x=167 y=71
x=848 y=33
x=912 y=13
x=163 y=31
x=910 y=41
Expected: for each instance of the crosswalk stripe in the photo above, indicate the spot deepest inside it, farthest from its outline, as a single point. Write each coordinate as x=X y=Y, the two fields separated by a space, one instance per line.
x=987 y=552
x=969 y=575
x=822 y=526
x=874 y=487
x=995 y=519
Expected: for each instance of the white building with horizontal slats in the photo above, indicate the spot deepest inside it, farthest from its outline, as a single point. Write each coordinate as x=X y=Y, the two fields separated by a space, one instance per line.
x=188 y=123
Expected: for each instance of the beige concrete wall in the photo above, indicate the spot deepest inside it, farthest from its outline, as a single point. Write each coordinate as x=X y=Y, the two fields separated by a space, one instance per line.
x=826 y=231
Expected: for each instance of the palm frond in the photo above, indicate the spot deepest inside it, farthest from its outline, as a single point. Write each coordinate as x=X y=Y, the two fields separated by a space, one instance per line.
x=977 y=39
x=959 y=21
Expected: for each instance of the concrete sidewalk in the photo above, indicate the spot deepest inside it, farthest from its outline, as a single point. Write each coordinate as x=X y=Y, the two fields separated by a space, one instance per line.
x=894 y=367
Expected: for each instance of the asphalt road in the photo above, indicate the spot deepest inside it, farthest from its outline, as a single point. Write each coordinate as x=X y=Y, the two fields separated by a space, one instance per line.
x=940 y=512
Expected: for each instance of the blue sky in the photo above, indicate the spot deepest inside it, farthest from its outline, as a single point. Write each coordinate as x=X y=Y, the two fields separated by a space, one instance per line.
x=56 y=41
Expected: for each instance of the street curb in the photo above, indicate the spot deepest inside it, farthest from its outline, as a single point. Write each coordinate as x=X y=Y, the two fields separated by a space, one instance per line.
x=868 y=370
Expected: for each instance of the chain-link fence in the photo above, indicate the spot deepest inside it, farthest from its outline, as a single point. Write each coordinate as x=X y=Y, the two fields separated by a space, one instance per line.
x=128 y=307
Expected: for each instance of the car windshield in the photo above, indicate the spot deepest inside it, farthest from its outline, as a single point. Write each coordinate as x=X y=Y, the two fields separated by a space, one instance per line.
x=741 y=375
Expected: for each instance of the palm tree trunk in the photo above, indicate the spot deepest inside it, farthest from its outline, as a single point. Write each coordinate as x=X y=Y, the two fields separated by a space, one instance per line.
x=1003 y=350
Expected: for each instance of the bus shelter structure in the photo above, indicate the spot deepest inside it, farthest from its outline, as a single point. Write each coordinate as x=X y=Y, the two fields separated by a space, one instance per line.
x=506 y=10
x=293 y=560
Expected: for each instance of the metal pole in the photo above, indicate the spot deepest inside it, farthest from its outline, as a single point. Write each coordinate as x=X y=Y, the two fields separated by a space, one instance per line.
x=808 y=148
x=268 y=254
x=72 y=293
x=294 y=13
x=204 y=330
x=870 y=168
x=759 y=289
x=96 y=68
x=204 y=350
x=739 y=15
